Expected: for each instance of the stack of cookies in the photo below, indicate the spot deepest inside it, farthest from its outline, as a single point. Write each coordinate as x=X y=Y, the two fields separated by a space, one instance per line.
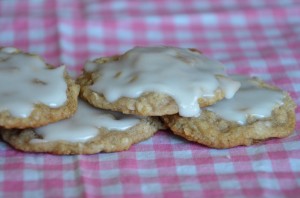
x=125 y=99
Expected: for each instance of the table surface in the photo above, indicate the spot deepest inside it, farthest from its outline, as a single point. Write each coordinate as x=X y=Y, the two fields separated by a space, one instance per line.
x=252 y=37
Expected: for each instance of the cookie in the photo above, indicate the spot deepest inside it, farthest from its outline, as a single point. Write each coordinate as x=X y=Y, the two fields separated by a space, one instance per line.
x=89 y=131
x=257 y=112
x=155 y=81
x=35 y=93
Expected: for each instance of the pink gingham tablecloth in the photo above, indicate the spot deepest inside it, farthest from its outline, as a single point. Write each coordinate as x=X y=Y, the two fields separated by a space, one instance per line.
x=253 y=37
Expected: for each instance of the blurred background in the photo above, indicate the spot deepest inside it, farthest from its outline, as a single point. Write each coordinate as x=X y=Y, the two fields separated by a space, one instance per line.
x=238 y=33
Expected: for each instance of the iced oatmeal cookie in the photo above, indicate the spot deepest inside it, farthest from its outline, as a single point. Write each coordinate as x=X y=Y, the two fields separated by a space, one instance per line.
x=155 y=81
x=33 y=93
x=89 y=131
x=257 y=112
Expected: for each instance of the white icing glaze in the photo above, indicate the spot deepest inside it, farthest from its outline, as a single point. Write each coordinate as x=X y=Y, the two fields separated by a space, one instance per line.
x=9 y=50
x=250 y=100
x=85 y=124
x=182 y=74
x=5 y=52
x=25 y=80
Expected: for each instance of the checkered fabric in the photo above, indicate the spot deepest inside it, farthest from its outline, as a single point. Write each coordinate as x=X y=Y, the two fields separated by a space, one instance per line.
x=253 y=37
